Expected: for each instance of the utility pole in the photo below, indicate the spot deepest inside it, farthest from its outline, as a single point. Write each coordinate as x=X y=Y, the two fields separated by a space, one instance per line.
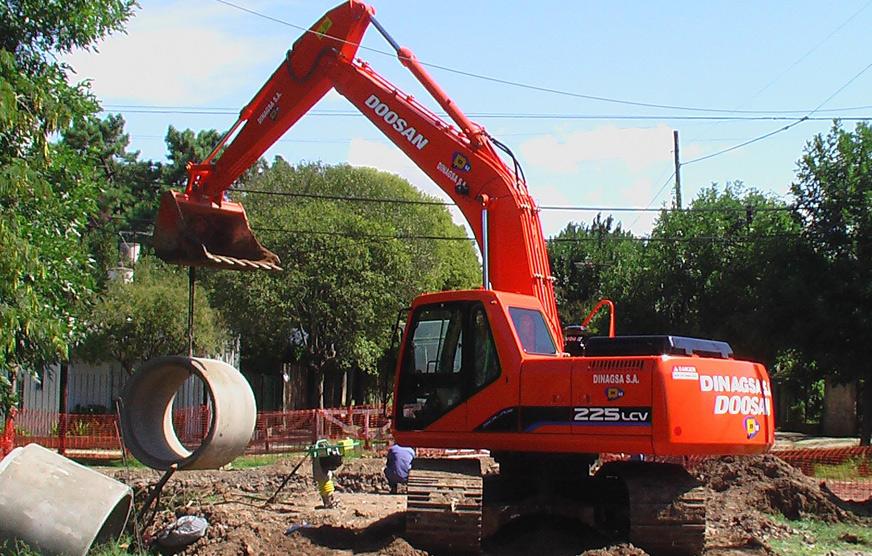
x=677 y=169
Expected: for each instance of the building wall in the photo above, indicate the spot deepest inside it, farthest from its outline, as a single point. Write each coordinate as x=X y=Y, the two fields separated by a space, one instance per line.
x=95 y=388
x=840 y=409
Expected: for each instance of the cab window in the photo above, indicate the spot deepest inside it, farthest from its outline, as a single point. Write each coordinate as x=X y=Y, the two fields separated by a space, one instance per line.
x=449 y=355
x=532 y=331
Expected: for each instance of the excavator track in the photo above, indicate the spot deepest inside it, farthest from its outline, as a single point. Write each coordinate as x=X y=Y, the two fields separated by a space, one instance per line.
x=443 y=509
x=666 y=510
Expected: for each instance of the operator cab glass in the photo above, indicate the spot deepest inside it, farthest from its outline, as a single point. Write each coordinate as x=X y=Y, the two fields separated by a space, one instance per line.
x=532 y=331
x=449 y=356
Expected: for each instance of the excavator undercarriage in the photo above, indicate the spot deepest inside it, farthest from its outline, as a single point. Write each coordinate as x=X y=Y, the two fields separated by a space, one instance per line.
x=452 y=507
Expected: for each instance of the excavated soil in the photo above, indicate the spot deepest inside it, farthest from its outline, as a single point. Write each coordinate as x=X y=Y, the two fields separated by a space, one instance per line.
x=745 y=492
x=743 y=495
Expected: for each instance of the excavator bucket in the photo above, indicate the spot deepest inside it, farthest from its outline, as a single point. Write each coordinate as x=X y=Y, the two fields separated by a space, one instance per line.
x=189 y=232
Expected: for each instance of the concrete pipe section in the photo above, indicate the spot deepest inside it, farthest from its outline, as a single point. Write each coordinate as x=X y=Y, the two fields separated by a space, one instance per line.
x=147 y=411
x=56 y=505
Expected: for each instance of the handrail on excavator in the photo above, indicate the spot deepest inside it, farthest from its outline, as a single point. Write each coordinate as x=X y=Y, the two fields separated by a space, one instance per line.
x=602 y=303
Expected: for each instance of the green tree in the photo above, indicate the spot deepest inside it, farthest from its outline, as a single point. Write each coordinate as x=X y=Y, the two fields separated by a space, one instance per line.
x=185 y=146
x=590 y=263
x=348 y=267
x=128 y=196
x=47 y=191
x=833 y=192
x=148 y=317
x=717 y=271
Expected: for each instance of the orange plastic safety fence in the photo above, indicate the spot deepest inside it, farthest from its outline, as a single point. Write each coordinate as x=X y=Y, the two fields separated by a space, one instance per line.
x=98 y=437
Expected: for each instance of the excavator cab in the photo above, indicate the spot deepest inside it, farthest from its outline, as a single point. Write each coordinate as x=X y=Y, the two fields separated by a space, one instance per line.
x=192 y=231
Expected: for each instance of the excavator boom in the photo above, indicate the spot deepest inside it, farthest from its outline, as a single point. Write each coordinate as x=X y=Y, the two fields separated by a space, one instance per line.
x=201 y=227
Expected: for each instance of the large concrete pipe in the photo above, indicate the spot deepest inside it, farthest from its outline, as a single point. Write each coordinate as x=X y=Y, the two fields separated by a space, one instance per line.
x=147 y=411
x=56 y=505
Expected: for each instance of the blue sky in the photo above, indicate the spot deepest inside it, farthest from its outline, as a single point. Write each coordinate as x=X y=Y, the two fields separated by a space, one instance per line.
x=763 y=56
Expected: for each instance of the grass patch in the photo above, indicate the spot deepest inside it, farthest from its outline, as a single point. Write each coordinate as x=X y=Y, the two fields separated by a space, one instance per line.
x=17 y=548
x=849 y=469
x=132 y=462
x=818 y=538
x=117 y=548
x=248 y=462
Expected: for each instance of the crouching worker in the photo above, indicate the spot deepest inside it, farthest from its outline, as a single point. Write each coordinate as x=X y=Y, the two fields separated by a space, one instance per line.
x=398 y=464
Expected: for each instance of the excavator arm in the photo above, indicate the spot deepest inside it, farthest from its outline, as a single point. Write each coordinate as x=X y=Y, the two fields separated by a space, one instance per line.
x=200 y=227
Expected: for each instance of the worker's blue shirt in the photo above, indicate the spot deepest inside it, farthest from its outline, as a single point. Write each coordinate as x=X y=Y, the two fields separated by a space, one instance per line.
x=399 y=463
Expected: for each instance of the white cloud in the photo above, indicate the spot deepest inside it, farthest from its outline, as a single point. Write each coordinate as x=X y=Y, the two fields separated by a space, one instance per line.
x=176 y=54
x=388 y=158
x=636 y=147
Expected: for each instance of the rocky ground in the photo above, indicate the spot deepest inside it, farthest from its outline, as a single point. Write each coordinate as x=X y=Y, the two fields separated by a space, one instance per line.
x=744 y=494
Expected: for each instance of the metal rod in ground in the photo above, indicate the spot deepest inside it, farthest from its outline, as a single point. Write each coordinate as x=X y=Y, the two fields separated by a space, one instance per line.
x=154 y=496
x=192 y=276
x=287 y=478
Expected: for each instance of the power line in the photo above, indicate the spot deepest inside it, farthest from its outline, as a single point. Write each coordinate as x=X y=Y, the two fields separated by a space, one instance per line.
x=354 y=235
x=569 y=208
x=785 y=128
x=145 y=109
x=671 y=210
x=811 y=50
x=655 y=239
x=653 y=199
x=745 y=143
x=337 y=112
x=577 y=208
x=343 y=197
x=503 y=81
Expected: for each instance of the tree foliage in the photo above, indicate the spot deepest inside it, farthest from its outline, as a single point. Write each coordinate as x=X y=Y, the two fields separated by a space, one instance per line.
x=833 y=191
x=717 y=270
x=136 y=321
x=127 y=199
x=47 y=191
x=707 y=271
x=591 y=262
x=185 y=146
x=348 y=268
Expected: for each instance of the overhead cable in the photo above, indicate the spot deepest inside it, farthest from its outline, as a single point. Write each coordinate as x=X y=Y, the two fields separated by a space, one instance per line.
x=144 y=109
x=500 y=80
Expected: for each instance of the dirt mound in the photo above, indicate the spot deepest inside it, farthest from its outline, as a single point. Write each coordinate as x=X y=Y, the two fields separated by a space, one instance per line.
x=768 y=484
x=742 y=495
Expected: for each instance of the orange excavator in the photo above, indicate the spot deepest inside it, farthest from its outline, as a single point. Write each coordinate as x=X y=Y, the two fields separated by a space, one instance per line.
x=489 y=368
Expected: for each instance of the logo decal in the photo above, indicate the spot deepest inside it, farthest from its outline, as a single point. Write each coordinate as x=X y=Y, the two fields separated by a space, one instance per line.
x=460 y=162
x=325 y=26
x=632 y=416
x=393 y=119
x=272 y=108
x=752 y=427
x=756 y=401
x=614 y=393
x=684 y=372
x=616 y=378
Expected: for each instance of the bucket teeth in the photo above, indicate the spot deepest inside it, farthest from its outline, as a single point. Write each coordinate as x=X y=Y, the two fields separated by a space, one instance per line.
x=242 y=264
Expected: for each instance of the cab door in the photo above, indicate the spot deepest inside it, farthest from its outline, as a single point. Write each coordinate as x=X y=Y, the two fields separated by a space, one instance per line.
x=449 y=357
x=546 y=378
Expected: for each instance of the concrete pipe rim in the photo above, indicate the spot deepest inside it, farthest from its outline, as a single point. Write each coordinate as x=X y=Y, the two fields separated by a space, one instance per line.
x=147 y=413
